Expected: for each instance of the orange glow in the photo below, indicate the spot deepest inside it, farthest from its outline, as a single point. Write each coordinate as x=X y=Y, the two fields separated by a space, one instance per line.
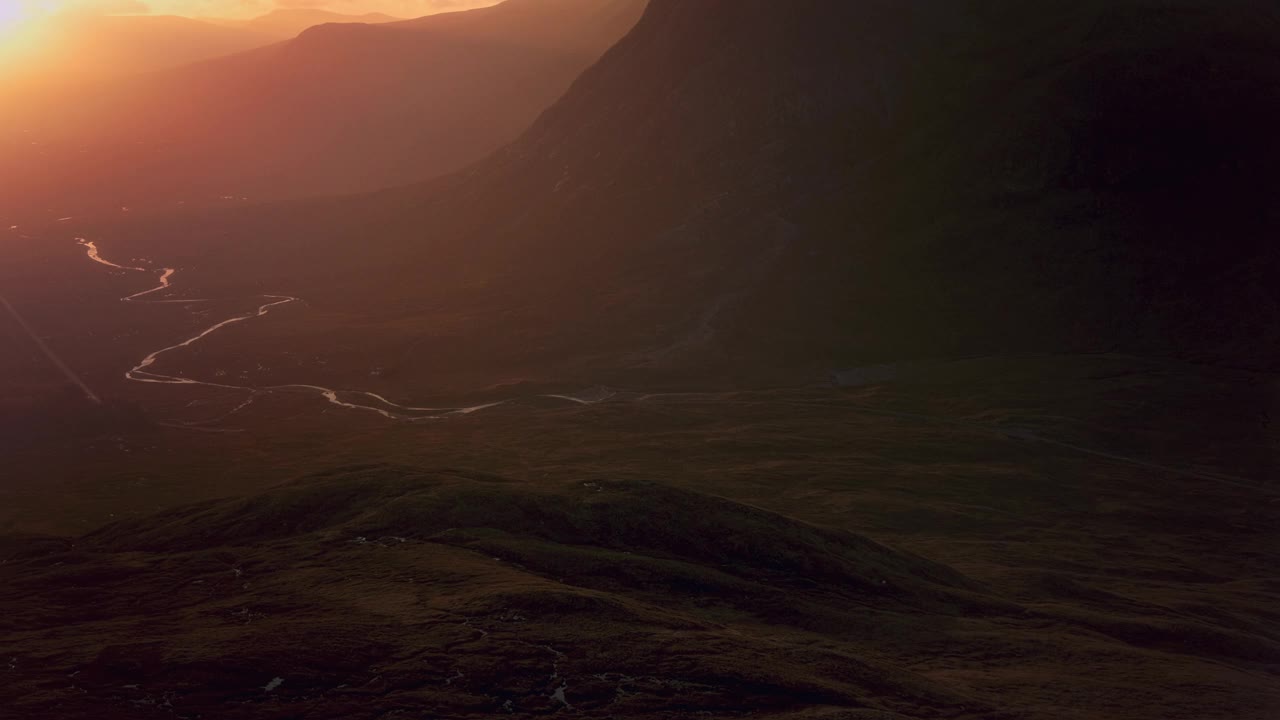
x=44 y=40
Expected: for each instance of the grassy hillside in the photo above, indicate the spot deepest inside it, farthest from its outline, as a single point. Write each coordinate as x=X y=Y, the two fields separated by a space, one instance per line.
x=967 y=541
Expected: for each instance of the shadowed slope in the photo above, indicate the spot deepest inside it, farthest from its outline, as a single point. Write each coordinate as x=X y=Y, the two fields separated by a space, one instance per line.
x=757 y=190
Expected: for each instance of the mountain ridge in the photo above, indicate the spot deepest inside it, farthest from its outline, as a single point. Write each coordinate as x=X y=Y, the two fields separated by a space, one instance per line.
x=697 y=208
x=827 y=156
x=323 y=113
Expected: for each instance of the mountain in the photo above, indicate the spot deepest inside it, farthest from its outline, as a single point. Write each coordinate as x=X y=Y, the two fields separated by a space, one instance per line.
x=739 y=197
x=288 y=22
x=870 y=180
x=342 y=107
x=763 y=191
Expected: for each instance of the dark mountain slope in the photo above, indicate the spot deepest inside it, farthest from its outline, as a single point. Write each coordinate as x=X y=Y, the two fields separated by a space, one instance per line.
x=1096 y=179
x=960 y=179
x=343 y=107
x=614 y=227
x=758 y=188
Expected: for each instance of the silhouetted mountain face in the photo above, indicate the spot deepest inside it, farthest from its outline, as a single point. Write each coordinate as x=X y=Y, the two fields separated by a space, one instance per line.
x=752 y=188
x=343 y=107
x=806 y=184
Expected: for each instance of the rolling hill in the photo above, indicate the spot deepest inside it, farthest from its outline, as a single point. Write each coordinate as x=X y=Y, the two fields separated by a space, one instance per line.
x=739 y=197
x=901 y=551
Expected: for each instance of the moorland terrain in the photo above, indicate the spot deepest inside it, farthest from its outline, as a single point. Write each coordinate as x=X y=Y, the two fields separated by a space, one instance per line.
x=808 y=360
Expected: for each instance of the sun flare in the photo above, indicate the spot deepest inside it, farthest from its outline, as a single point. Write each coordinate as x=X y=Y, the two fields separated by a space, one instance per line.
x=11 y=16
x=23 y=33
x=16 y=14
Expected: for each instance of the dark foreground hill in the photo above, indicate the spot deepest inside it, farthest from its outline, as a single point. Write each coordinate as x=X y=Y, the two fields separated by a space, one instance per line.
x=381 y=591
x=754 y=189
x=344 y=107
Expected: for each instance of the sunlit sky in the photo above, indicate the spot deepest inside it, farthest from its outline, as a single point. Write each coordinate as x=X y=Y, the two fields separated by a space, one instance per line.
x=14 y=11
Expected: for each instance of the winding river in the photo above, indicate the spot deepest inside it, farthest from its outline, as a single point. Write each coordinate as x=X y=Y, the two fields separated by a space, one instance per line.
x=359 y=400
x=362 y=400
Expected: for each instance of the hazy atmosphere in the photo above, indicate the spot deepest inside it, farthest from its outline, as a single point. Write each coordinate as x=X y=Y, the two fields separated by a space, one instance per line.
x=654 y=359
x=238 y=8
